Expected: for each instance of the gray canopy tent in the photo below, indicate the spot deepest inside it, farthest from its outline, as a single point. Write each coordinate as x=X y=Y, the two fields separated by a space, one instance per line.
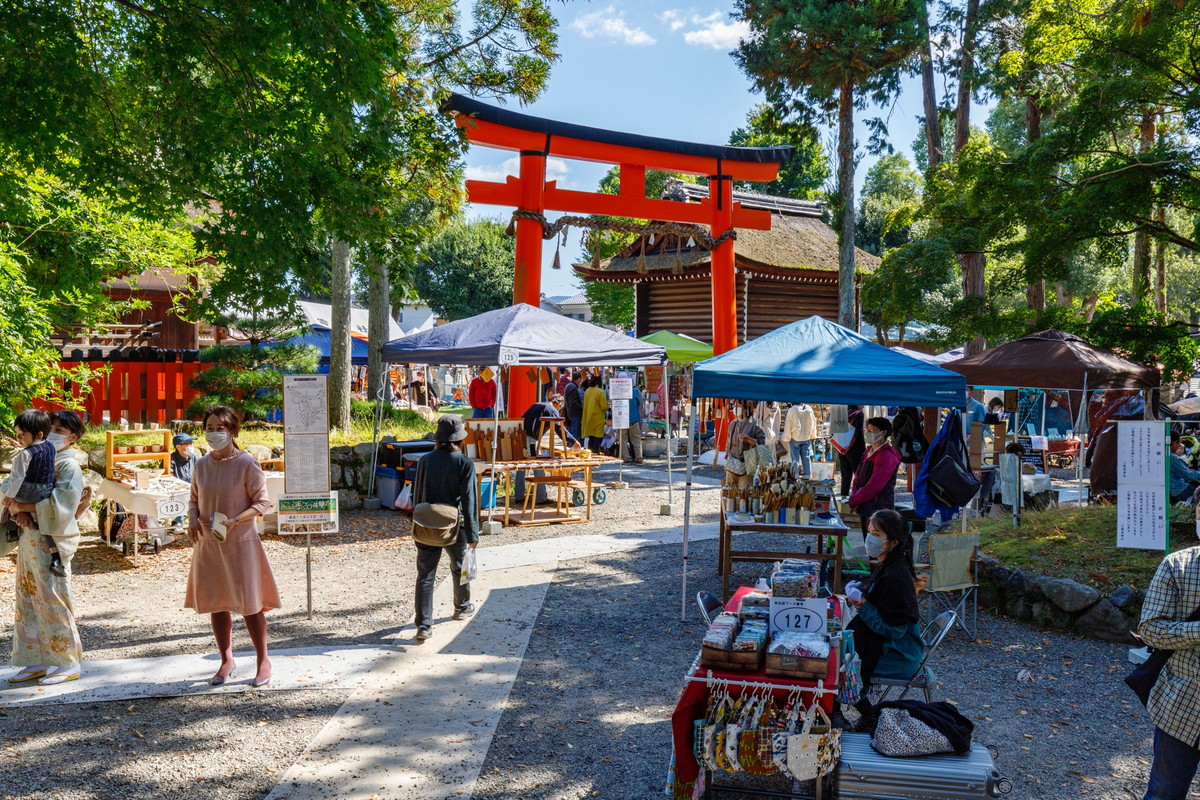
x=521 y=335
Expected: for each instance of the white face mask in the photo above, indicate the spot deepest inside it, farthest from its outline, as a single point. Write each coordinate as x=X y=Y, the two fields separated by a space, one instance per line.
x=874 y=546
x=873 y=437
x=189 y=451
x=218 y=440
x=59 y=440
x=737 y=412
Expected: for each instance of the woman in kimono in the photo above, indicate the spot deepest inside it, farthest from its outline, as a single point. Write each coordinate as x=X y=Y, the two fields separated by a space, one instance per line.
x=46 y=641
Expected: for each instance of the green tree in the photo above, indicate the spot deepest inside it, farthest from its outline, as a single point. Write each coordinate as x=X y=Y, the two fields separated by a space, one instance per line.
x=249 y=379
x=805 y=175
x=466 y=269
x=890 y=199
x=612 y=304
x=58 y=247
x=814 y=56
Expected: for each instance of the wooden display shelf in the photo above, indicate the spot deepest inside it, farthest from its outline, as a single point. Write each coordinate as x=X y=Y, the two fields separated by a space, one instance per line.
x=111 y=457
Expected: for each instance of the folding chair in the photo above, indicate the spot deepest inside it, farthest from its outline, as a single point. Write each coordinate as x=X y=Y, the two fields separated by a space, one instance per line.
x=953 y=582
x=924 y=678
x=709 y=606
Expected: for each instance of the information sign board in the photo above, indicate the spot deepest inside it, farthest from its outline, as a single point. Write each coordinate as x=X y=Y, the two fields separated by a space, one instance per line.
x=1143 y=493
x=808 y=615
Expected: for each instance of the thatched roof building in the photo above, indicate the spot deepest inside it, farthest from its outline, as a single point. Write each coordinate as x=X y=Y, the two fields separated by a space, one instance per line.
x=783 y=274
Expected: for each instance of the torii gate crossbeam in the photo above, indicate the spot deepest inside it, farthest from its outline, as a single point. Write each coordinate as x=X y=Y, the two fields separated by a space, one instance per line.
x=537 y=139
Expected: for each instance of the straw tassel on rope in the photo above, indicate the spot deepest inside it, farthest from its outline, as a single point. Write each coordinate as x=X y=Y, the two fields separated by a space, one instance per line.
x=641 y=262
x=677 y=264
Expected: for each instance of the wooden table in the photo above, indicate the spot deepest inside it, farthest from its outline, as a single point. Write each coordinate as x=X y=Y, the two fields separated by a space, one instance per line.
x=835 y=528
x=565 y=467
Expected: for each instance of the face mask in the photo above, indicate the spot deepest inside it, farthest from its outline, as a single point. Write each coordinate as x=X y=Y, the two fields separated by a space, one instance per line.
x=189 y=451
x=737 y=412
x=873 y=438
x=874 y=546
x=217 y=440
x=59 y=440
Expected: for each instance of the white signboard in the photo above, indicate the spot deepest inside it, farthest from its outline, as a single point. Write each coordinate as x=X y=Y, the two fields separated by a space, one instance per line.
x=620 y=414
x=1143 y=467
x=306 y=434
x=620 y=389
x=172 y=507
x=810 y=615
x=308 y=513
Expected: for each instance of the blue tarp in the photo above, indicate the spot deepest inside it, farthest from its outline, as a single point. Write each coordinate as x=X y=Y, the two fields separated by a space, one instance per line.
x=321 y=338
x=521 y=335
x=816 y=361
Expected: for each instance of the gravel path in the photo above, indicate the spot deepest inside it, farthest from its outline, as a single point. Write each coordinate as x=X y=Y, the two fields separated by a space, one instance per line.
x=588 y=715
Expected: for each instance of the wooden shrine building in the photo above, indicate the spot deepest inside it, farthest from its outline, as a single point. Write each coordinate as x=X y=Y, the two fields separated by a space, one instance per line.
x=783 y=274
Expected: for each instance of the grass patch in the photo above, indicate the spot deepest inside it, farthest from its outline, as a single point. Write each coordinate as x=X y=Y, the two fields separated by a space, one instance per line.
x=1079 y=543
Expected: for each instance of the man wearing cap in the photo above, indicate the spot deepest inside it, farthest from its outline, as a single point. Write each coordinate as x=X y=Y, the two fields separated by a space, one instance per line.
x=481 y=394
x=447 y=477
x=184 y=458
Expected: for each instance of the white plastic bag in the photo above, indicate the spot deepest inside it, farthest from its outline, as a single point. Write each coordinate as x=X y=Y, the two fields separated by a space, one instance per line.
x=404 y=500
x=470 y=567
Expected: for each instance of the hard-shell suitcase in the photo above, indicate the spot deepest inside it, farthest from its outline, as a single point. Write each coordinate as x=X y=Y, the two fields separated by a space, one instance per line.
x=864 y=774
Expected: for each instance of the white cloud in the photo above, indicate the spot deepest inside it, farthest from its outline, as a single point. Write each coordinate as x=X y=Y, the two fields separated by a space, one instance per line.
x=608 y=23
x=715 y=30
x=718 y=33
x=556 y=170
x=673 y=19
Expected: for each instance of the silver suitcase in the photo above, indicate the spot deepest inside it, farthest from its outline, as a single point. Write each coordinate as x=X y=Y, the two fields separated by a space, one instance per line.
x=864 y=774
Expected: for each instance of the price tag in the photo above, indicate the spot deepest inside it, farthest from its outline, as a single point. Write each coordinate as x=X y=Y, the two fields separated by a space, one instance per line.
x=172 y=507
x=809 y=615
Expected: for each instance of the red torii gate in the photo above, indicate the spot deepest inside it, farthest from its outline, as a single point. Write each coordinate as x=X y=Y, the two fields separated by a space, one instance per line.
x=537 y=139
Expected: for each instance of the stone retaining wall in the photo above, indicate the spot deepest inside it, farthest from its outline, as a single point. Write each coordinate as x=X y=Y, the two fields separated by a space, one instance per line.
x=1060 y=603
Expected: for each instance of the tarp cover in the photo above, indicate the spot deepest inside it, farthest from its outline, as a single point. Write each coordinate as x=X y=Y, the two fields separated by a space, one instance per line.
x=1053 y=360
x=681 y=349
x=320 y=338
x=522 y=335
x=817 y=361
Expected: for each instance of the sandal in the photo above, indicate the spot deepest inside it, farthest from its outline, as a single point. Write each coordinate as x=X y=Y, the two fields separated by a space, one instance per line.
x=28 y=674
x=55 y=678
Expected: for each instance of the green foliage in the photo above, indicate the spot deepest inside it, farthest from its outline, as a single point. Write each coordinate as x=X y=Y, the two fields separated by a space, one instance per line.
x=58 y=246
x=890 y=202
x=250 y=379
x=612 y=304
x=466 y=269
x=1145 y=335
x=363 y=412
x=803 y=177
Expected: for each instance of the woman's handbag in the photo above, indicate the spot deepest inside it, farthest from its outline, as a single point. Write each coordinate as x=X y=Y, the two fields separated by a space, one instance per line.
x=850 y=691
x=1143 y=677
x=435 y=524
x=812 y=755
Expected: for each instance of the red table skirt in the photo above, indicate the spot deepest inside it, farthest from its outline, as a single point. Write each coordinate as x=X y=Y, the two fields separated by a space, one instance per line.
x=693 y=703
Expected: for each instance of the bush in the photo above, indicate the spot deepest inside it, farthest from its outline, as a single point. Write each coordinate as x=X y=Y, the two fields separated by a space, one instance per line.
x=364 y=411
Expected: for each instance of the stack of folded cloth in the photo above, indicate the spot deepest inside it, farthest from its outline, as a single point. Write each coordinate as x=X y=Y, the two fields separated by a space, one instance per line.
x=805 y=645
x=722 y=631
x=752 y=637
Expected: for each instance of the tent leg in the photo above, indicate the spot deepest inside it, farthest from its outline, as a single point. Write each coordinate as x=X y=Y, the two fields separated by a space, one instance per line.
x=687 y=511
x=669 y=508
x=493 y=526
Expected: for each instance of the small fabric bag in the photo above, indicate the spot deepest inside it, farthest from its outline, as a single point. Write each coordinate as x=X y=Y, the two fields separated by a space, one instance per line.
x=435 y=524
x=812 y=755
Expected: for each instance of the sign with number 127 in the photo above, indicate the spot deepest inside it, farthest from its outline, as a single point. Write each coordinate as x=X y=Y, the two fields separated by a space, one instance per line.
x=809 y=615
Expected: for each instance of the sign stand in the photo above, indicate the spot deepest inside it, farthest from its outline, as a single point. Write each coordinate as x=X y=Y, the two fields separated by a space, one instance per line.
x=667 y=509
x=621 y=390
x=1143 y=485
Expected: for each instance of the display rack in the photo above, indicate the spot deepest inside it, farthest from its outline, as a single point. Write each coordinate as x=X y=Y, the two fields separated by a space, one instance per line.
x=111 y=457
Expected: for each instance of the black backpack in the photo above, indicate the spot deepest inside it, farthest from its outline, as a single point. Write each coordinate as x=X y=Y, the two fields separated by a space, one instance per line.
x=908 y=435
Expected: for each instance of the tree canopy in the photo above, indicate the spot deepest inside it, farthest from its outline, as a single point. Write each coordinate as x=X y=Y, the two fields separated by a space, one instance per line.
x=466 y=269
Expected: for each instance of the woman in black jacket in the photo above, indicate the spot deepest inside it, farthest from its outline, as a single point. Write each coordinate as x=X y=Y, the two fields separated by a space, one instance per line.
x=446 y=476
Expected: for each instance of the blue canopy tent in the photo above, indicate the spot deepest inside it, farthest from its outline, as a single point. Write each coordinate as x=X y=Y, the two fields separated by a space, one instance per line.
x=321 y=338
x=817 y=361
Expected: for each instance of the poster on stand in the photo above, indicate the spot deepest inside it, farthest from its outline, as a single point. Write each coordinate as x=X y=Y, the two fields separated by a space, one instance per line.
x=1143 y=487
x=308 y=513
x=620 y=415
x=306 y=434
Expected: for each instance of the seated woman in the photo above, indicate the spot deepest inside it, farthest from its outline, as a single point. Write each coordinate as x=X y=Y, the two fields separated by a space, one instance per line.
x=886 y=634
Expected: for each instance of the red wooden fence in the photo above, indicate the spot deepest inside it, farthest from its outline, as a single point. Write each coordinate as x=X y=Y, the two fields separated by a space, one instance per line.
x=138 y=391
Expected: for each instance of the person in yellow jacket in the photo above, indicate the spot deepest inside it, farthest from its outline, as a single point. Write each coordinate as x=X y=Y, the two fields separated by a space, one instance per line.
x=595 y=403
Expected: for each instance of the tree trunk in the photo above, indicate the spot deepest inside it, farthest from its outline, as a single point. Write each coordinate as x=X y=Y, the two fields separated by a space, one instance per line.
x=966 y=77
x=1141 y=240
x=847 y=284
x=1035 y=296
x=379 y=310
x=1062 y=295
x=1089 y=307
x=933 y=128
x=974 y=285
x=1160 y=265
x=339 y=347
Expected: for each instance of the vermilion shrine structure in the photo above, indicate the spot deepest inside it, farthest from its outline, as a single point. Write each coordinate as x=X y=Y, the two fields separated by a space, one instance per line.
x=537 y=139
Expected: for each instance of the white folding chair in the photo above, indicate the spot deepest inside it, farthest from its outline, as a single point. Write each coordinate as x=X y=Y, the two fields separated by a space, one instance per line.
x=924 y=678
x=953 y=583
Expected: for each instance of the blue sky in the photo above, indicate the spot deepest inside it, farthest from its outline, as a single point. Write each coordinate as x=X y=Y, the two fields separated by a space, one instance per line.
x=655 y=68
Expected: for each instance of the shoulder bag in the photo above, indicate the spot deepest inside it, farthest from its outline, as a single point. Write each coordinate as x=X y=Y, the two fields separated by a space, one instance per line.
x=433 y=524
x=1143 y=677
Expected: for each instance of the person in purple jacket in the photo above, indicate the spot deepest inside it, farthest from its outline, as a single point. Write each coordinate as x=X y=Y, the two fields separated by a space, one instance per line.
x=875 y=478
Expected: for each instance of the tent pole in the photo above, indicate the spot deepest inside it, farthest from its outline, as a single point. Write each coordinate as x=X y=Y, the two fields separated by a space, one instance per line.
x=667 y=414
x=687 y=511
x=501 y=370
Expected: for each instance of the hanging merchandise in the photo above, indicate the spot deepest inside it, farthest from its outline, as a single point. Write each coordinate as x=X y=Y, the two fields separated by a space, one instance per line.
x=815 y=750
x=850 y=691
x=945 y=482
x=839 y=419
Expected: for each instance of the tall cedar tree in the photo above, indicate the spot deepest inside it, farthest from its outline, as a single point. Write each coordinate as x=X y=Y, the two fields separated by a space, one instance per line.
x=814 y=56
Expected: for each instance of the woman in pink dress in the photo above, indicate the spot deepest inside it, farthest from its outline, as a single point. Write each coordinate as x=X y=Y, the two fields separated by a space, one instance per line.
x=231 y=576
